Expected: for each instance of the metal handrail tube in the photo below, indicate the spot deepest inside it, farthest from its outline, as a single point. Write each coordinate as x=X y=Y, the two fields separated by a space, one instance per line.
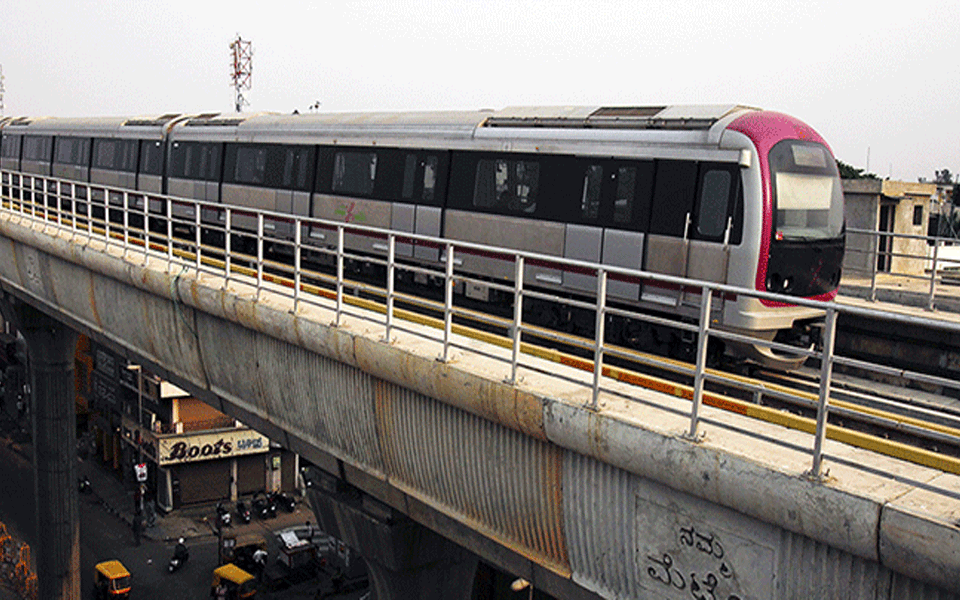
x=901 y=373
x=823 y=406
x=517 y=330
x=448 y=290
x=702 y=336
x=391 y=270
x=599 y=337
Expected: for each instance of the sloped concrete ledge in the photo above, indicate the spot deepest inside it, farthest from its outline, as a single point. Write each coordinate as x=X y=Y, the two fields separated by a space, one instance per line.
x=901 y=531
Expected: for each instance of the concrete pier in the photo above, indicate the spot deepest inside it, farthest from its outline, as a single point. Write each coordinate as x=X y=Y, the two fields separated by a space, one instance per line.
x=50 y=348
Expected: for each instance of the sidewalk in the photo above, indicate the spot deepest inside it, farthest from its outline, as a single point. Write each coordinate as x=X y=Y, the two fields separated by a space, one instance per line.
x=189 y=522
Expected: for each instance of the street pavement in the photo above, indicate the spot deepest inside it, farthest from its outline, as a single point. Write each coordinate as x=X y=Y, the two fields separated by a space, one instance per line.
x=106 y=514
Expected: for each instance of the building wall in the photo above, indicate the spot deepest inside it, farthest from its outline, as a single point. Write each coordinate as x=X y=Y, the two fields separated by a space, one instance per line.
x=863 y=201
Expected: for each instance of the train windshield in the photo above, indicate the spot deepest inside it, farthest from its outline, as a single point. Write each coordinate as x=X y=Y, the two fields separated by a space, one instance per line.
x=807 y=195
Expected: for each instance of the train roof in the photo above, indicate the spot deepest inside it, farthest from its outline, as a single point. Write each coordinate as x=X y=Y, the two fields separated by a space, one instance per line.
x=629 y=117
x=683 y=124
x=151 y=126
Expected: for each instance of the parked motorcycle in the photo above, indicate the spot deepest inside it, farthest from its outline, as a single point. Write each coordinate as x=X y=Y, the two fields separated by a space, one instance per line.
x=287 y=503
x=180 y=555
x=223 y=515
x=263 y=506
x=243 y=513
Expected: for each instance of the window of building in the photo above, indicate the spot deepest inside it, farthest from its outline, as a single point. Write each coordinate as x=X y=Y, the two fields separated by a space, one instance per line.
x=918 y=215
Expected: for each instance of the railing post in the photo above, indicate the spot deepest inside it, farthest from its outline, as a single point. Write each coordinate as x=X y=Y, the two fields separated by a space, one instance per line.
x=227 y=250
x=89 y=203
x=146 y=228
x=703 y=333
x=339 y=274
x=73 y=208
x=933 y=273
x=169 y=232
x=517 y=318
x=600 y=332
x=823 y=406
x=874 y=267
x=259 y=253
x=197 y=232
x=296 y=265
x=448 y=285
x=106 y=213
x=391 y=266
x=126 y=223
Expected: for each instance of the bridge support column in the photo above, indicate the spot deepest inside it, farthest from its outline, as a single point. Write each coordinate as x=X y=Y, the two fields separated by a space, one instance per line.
x=50 y=347
x=405 y=560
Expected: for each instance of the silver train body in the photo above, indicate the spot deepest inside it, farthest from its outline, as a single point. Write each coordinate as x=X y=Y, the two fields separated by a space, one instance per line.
x=726 y=194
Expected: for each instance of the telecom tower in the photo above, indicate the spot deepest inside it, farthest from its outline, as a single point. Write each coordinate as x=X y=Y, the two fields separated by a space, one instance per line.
x=242 y=69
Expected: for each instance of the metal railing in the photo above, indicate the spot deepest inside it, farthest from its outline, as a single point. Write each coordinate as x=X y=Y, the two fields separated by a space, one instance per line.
x=870 y=247
x=297 y=257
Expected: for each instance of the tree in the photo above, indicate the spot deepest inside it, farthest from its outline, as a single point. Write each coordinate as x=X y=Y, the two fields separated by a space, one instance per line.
x=943 y=177
x=851 y=172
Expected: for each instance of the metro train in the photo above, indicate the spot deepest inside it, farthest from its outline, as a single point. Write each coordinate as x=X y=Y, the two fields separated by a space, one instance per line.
x=718 y=193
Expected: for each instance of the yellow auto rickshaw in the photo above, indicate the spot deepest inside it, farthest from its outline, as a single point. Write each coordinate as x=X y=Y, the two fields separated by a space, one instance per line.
x=111 y=581
x=230 y=582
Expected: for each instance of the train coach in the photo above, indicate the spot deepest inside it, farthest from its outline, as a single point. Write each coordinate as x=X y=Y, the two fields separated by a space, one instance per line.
x=727 y=194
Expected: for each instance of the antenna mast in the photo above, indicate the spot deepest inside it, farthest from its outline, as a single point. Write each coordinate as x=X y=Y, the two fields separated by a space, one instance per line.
x=242 y=69
x=1 y=90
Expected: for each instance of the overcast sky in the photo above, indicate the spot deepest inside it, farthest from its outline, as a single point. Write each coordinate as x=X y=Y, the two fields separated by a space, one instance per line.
x=877 y=79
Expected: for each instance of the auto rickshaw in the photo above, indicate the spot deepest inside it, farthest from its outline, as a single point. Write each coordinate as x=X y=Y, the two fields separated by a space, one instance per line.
x=230 y=582
x=111 y=581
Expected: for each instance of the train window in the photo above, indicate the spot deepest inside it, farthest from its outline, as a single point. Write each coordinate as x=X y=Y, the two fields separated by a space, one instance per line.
x=507 y=186
x=151 y=158
x=195 y=160
x=420 y=178
x=354 y=172
x=72 y=151
x=251 y=165
x=10 y=147
x=675 y=187
x=590 y=197
x=714 y=203
x=626 y=190
x=297 y=164
x=37 y=148
x=409 y=174
x=115 y=155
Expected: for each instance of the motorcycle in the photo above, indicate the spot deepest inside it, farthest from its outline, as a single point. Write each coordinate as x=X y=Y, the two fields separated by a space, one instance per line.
x=223 y=515
x=83 y=483
x=263 y=506
x=180 y=556
x=243 y=513
x=282 y=500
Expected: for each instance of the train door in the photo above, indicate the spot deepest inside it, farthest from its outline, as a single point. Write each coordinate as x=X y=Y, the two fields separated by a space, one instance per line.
x=609 y=230
x=667 y=243
x=419 y=210
x=692 y=223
